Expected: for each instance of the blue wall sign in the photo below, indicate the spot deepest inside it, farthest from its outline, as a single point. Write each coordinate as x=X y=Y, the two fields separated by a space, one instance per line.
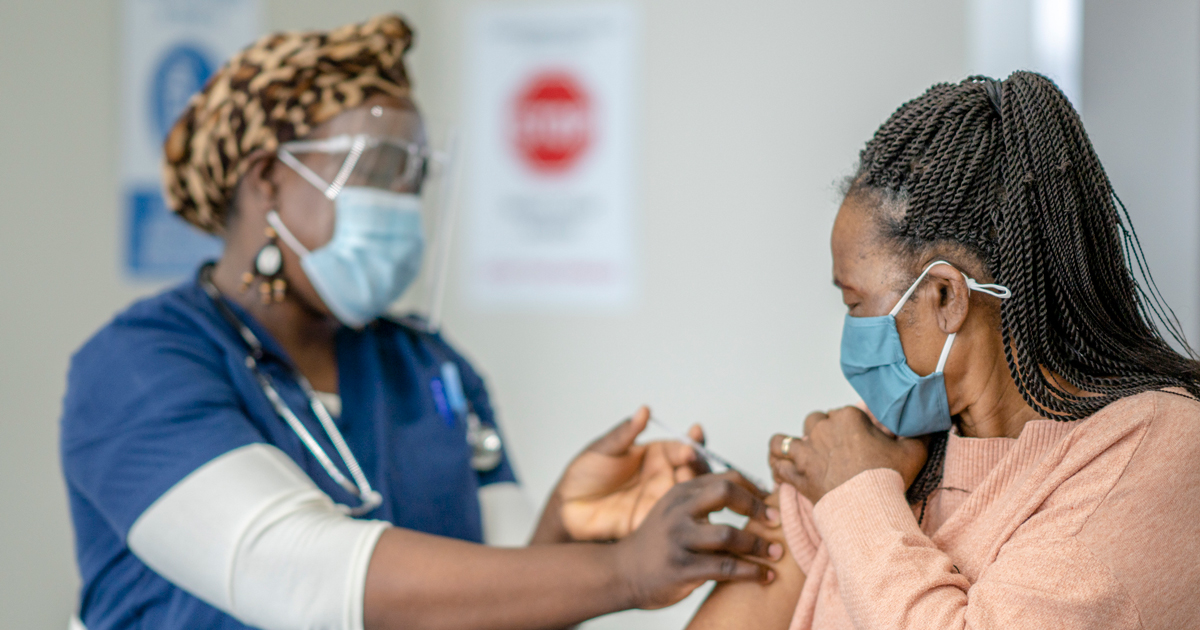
x=160 y=243
x=182 y=72
x=170 y=49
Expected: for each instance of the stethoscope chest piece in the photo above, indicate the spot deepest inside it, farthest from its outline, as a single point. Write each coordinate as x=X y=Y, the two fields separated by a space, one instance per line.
x=487 y=449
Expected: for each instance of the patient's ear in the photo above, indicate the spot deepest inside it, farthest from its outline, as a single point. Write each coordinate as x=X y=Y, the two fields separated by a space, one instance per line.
x=953 y=297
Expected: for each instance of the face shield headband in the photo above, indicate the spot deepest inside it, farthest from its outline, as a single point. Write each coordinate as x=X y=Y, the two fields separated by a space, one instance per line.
x=371 y=161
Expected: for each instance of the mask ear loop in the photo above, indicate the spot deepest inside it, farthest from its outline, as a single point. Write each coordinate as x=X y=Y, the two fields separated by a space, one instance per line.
x=941 y=366
x=286 y=234
x=913 y=286
x=302 y=169
x=994 y=290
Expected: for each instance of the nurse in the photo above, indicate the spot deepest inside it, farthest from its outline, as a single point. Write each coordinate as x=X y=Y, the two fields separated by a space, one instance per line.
x=262 y=447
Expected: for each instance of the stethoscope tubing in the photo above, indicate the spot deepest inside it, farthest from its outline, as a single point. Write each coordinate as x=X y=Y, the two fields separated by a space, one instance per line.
x=361 y=487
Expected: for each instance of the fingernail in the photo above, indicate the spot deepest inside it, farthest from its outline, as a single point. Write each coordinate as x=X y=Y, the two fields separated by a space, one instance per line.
x=772 y=516
x=770 y=576
x=775 y=550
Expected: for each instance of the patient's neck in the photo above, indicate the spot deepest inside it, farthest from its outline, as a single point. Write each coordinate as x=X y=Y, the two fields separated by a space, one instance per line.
x=997 y=408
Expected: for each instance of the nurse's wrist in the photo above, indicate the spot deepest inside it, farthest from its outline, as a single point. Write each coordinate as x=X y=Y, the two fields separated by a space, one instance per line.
x=550 y=529
x=621 y=576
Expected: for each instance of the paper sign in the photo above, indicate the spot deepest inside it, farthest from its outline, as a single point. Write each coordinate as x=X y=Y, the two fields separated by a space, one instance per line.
x=169 y=50
x=550 y=150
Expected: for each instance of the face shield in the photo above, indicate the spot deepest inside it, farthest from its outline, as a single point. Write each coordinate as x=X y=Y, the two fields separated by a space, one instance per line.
x=388 y=149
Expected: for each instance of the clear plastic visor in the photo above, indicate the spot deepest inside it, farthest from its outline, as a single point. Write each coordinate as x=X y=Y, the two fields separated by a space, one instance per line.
x=400 y=165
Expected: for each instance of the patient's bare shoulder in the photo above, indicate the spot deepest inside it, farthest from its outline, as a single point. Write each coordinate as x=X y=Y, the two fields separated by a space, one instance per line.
x=751 y=605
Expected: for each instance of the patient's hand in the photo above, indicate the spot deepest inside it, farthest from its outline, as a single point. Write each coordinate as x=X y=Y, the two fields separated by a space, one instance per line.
x=606 y=492
x=836 y=447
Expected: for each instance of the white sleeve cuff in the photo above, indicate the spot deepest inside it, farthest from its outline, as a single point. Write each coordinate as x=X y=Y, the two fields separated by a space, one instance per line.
x=252 y=535
x=507 y=515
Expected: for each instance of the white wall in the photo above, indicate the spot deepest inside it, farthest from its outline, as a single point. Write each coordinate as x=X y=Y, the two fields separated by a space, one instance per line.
x=750 y=112
x=58 y=252
x=1141 y=85
x=1045 y=36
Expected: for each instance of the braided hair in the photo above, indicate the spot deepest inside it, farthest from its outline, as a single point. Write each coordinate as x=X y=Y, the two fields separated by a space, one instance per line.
x=1005 y=171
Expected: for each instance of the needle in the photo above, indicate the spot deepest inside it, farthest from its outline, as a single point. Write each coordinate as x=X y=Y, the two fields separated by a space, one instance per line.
x=708 y=454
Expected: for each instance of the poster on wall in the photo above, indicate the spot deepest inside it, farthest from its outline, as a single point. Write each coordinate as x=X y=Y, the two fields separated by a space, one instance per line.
x=550 y=147
x=169 y=49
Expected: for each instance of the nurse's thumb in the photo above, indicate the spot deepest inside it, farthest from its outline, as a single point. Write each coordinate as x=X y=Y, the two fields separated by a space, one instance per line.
x=621 y=437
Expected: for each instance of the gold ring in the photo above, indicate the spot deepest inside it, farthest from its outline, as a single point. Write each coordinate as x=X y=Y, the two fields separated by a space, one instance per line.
x=786 y=445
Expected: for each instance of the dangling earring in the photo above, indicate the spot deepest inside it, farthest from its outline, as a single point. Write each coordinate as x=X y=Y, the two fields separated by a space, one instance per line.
x=268 y=265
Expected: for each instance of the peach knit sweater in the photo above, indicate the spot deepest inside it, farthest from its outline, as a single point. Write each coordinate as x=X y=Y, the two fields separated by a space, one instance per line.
x=1087 y=524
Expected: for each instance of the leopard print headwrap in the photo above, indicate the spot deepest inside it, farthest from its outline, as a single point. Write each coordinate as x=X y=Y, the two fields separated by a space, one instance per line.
x=274 y=91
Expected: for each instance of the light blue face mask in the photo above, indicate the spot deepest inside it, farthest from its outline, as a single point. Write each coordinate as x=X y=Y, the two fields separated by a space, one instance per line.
x=873 y=361
x=374 y=255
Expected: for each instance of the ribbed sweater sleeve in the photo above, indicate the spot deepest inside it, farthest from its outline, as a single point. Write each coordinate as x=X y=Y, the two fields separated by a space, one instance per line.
x=891 y=575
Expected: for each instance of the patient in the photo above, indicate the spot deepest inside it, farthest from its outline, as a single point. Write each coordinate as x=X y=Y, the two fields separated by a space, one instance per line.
x=1051 y=473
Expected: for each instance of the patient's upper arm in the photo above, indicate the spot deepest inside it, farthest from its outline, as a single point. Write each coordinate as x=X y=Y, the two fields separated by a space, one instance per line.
x=752 y=605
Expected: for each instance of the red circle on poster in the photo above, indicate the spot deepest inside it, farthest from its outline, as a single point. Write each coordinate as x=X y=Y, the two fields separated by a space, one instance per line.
x=553 y=122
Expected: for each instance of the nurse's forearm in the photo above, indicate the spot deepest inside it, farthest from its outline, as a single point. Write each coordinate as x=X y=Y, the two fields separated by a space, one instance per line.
x=420 y=581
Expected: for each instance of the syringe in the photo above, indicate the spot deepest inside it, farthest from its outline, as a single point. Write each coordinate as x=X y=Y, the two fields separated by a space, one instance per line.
x=709 y=455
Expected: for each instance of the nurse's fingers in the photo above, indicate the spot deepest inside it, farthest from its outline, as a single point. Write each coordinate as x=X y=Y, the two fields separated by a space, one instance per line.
x=619 y=440
x=727 y=490
x=699 y=465
x=688 y=463
x=723 y=568
x=680 y=454
x=708 y=537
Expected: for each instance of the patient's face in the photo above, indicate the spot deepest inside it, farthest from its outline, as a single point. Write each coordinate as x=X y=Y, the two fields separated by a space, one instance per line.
x=865 y=269
x=873 y=276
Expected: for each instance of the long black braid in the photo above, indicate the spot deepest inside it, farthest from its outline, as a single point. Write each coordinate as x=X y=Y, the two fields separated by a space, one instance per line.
x=1005 y=171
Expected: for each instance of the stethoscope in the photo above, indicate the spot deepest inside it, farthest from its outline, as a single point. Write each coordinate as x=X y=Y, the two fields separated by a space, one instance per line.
x=486 y=445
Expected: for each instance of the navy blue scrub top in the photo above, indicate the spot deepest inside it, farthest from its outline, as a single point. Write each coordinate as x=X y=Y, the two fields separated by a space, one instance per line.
x=163 y=389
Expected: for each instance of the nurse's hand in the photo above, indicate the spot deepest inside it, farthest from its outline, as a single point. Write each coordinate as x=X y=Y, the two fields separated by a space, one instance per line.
x=608 y=490
x=677 y=549
x=837 y=446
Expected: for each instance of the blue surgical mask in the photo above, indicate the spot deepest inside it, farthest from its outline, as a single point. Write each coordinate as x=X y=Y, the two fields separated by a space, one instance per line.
x=873 y=361
x=373 y=257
